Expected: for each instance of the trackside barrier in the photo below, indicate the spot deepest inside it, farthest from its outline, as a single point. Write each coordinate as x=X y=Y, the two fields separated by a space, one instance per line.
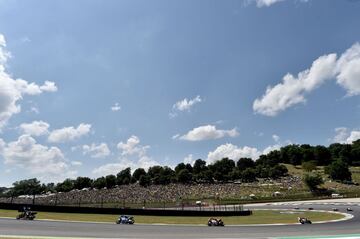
x=130 y=211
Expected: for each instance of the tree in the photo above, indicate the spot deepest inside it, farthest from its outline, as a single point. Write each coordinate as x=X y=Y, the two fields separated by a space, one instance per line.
x=244 y=163
x=110 y=181
x=322 y=155
x=184 y=176
x=278 y=171
x=27 y=187
x=308 y=166
x=66 y=186
x=222 y=169
x=99 y=183
x=199 y=166
x=123 y=177
x=312 y=181
x=144 y=180
x=82 y=182
x=248 y=175
x=339 y=170
x=179 y=167
x=137 y=174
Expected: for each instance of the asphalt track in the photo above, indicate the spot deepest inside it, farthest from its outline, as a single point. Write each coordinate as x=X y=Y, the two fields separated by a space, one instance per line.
x=71 y=229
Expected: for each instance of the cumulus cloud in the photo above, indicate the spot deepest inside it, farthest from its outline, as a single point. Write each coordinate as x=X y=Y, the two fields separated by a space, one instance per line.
x=132 y=147
x=268 y=3
x=116 y=107
x=276 y=138
x=96 y=151
x=345 y=136
x=184 y=105
x=69 y=133
x=76 y=163
x=293 y=89
x=233 y=152
x=131 y=154
x=189 y=159
x=13 y=90
x=47 y=163
x=36 y=128
x=208 y=132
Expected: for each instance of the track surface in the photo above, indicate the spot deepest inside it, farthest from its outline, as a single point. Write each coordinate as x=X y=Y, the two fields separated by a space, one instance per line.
x=70 y=229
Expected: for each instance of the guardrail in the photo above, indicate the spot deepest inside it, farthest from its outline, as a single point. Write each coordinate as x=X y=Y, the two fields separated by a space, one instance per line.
x=129 y=211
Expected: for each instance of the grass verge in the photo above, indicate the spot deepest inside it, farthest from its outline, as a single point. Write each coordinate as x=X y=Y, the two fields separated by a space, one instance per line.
x=258 y=217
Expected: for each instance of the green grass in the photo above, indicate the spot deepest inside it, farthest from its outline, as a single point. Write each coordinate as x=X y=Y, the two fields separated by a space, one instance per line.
x=258 y=217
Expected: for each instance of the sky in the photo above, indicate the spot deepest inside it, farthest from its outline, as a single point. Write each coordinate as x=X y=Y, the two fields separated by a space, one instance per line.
x=90 y=87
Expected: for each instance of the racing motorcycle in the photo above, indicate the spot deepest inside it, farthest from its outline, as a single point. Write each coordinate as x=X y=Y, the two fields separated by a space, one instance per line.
x=26 y=214
x=304 y=220
x=216 y=222
x=125 y=220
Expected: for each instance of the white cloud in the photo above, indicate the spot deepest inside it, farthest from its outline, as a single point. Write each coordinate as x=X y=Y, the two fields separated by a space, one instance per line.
x=115 y=107
x=132 y=147
x=268 y=3
x=36 y=128
x=96 y=151
x=233 y=152
x=276 y=138
x=46 y=163
x=76 y=163
x=184 y=105
x=189 y=159
x=12 y=90
x=208 y=132
x=344 y=136
x=69 y=133
x=348 y=68
x=292 y=90
x=34 y=109
x=49 y=86
x=132 y=154
x=113 y=168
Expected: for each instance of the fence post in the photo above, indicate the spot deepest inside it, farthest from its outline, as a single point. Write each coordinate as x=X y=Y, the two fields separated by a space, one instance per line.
x=102 y=202
x=79 y=202
x=33 y=201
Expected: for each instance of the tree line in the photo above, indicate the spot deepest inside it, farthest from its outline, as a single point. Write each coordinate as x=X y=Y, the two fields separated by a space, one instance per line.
x=336 y=158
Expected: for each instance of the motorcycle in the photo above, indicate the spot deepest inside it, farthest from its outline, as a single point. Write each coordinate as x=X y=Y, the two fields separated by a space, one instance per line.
x=125 y=220
x=215 y=222
x=304 y=220
x=26 y=214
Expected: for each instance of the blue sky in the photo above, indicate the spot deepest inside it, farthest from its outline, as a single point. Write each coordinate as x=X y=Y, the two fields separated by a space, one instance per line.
x=111 y=84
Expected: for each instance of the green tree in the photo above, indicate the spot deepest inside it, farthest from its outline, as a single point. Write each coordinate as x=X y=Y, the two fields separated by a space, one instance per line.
x=308 y=166
x=137 y=174
x=313 y=181
x=248 y=175
x=144 y=180
x=244 y=163
x=199 y=166
x=66 y=186
x=82 y=182
x=222 y=169
x=184 y=176
x=27 y=187
x=278 y=171
x=99 y=183
x=123 y=177
x=339 y=170
x=110 y=181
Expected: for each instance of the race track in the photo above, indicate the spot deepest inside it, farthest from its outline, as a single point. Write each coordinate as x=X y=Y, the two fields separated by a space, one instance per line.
x=71 y=229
